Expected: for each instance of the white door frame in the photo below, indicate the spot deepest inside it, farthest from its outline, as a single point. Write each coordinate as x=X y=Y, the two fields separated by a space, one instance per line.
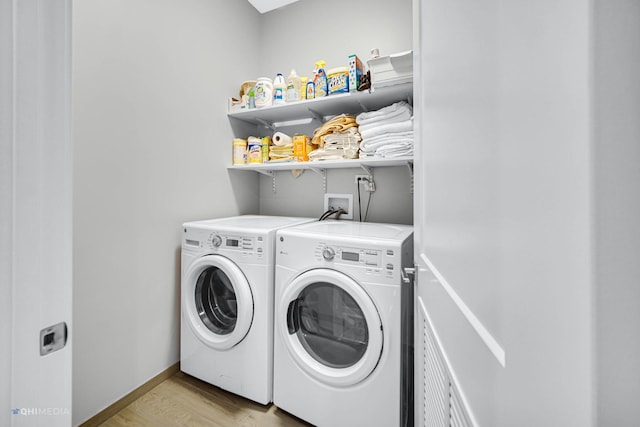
x=35 y=210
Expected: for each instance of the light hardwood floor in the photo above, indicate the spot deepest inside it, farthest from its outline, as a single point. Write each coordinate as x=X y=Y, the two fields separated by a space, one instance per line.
x=182 y=400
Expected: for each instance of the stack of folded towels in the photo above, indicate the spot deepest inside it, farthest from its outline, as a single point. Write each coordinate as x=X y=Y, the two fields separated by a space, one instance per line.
x=387 y=132
x=337 y=139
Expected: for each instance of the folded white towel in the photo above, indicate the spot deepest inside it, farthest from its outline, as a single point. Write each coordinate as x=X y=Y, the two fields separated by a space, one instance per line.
x=383 y=123
x=399 y=111
x=389 y=138
x=404 y=126
x=368 y=145
x=395 y=150
x=372 y=147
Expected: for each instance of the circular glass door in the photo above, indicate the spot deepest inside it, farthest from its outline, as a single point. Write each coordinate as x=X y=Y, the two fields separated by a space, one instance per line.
x=331 y=327
x=218 y=301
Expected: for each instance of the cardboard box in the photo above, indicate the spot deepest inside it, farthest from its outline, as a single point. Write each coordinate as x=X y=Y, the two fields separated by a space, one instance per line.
x=356 y=70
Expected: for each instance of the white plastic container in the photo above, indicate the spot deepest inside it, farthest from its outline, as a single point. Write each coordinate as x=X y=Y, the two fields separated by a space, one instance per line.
x=263 y=92
x=293 y=87
x=391 y=70
x=279 y=89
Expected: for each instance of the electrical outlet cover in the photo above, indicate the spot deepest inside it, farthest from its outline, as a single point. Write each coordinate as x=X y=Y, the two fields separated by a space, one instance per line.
x=339 y=201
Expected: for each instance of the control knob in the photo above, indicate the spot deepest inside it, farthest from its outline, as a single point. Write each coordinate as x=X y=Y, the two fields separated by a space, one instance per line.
x=216 y=240
x=328 y=253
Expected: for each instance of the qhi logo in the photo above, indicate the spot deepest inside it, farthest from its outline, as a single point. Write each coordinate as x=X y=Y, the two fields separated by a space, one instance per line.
x=40 y=411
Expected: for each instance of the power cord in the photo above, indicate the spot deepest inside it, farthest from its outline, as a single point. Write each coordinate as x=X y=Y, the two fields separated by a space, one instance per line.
x=328 y=213
x=371 y=189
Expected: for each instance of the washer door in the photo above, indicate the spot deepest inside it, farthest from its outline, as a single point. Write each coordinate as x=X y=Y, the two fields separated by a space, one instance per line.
x=218 y=302
x=331 y=327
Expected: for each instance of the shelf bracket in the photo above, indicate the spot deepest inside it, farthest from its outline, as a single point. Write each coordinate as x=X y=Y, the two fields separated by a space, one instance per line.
x=266 y=124
x=316 y=115
x=273 y=178
x=323 y=173
x=367 y=169
x=410 y=166
x=364 y=109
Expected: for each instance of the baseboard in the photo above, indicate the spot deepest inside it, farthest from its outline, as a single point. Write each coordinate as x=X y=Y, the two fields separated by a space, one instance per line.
x=119 y=405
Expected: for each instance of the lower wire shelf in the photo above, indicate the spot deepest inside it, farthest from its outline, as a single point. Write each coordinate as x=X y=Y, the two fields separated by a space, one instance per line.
x=325 y=164
x=321 y=166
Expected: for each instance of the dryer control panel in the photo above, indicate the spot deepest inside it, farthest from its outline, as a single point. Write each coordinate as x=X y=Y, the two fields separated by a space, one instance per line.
x=374 y=261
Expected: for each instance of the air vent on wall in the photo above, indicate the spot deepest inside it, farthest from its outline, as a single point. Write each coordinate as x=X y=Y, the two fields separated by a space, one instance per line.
x=458 y=413
x=435 y=383
x=442 y=404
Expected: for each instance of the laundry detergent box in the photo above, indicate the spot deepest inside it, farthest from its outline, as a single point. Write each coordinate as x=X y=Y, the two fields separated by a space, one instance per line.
x=338 y=80
x=356 y=71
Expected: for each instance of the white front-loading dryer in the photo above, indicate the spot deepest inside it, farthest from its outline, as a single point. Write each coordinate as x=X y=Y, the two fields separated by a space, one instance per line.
x=226 y=333
x=342 y=315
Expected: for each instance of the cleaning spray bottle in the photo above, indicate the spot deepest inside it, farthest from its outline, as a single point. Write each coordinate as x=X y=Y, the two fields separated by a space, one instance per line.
x=320 y=80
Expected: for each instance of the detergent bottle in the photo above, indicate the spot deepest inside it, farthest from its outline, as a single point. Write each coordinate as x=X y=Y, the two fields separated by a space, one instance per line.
x=263 y=92
x=293 y=86
x=303 y=87
x=279 y=90
x=311 y=86
x=320 y=80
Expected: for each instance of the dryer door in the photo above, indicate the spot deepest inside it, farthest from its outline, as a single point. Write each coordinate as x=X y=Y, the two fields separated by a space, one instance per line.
x=331 y=327
x=217 y=301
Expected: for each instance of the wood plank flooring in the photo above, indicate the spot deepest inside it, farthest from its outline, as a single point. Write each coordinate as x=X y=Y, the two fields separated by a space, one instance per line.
x=182 y=400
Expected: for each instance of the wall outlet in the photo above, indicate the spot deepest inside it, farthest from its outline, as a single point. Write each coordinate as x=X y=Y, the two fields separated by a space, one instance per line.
x=366 y=181
x=340 y=201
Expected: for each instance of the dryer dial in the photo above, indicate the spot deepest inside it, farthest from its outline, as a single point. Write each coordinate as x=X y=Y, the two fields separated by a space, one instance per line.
x=216 y=240
x=328 y=253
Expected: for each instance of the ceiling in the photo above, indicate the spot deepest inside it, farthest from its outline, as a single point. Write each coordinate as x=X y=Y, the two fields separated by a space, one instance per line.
x=264 y=6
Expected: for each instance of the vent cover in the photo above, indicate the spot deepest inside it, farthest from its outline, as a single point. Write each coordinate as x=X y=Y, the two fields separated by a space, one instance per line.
x=442 y=404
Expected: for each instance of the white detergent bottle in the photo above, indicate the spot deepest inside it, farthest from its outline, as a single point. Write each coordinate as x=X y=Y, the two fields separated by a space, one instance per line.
x=293 y=86
x=279 y=90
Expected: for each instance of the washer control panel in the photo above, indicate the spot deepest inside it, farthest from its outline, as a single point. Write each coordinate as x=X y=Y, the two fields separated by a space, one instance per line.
x=215 y=241
x=235 y=242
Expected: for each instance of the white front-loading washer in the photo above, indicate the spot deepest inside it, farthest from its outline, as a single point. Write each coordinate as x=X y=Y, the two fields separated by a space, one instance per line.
x=342 y=328
x=226 y=333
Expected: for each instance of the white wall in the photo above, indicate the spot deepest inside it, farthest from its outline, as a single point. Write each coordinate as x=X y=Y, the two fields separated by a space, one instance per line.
x=616 y=163
x=151 y=146
x=298 y=35
x=35 y=219
x=507 y=196
x=6 y=211
x=532 y=194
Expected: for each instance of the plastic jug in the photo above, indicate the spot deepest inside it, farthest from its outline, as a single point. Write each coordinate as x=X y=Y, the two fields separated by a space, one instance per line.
x=279 y=89
x=263 y=92
x=293 y=86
